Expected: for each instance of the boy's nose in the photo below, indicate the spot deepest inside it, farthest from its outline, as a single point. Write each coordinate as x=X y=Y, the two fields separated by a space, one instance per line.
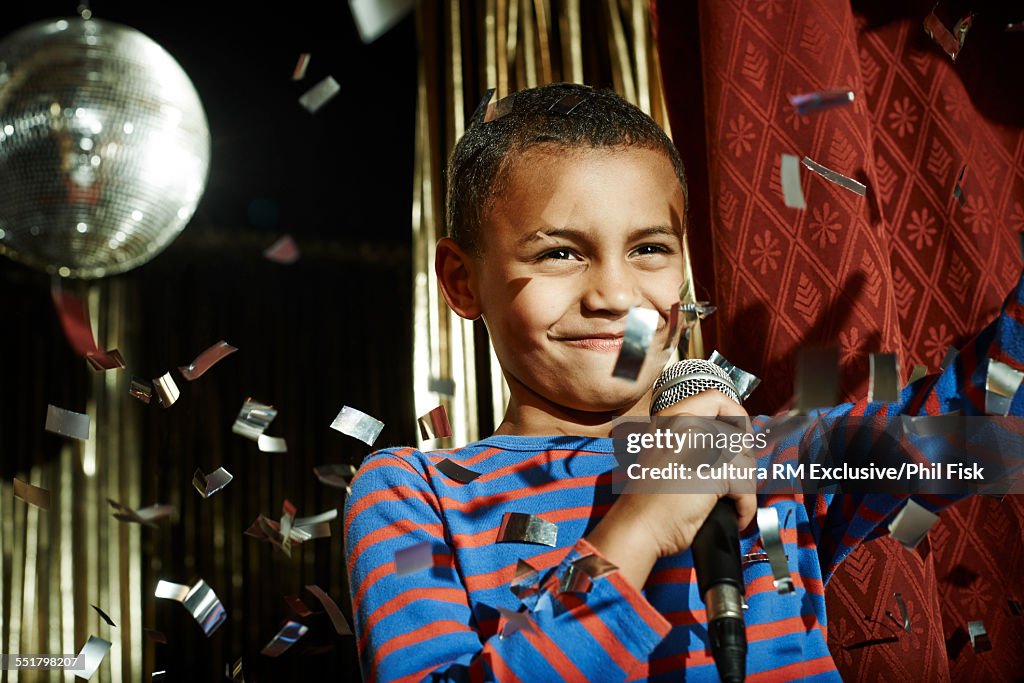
x=611 y=289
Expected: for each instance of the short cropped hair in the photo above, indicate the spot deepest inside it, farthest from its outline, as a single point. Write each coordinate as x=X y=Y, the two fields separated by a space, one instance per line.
x=485 y=154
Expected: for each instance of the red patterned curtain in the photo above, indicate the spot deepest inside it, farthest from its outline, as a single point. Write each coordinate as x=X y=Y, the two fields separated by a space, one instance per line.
x=907 y=269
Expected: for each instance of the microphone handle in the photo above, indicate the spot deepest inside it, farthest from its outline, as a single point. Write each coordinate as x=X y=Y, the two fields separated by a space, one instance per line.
x=716 y=560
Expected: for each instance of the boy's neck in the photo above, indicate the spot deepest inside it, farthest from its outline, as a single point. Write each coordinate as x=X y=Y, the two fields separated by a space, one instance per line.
x=532 y=415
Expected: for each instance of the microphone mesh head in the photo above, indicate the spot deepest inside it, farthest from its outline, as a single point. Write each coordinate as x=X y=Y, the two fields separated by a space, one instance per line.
x=689 y=378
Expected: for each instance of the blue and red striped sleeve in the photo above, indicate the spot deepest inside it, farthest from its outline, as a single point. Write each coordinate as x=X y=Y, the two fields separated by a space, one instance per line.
x=423 y=626
x=840 y=522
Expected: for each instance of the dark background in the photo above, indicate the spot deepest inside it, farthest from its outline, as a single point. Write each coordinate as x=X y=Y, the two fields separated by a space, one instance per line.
x=333 y=329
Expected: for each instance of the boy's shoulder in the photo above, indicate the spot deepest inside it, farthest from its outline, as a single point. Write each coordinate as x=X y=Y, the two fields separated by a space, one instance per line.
x=479 y=457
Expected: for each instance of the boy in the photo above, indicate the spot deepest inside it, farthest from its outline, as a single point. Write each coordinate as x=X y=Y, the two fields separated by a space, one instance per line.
x=563 y=214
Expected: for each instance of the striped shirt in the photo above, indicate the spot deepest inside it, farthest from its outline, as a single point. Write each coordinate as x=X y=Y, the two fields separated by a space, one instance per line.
x=460 y=620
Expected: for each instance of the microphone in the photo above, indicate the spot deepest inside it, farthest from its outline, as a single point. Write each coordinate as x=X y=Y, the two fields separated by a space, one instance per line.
x=716 y=547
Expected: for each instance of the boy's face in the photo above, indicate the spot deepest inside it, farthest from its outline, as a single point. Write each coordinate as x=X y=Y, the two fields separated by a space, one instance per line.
x=576 y=238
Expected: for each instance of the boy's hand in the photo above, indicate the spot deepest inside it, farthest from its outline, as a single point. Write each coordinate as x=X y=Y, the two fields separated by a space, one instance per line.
x=642 y=527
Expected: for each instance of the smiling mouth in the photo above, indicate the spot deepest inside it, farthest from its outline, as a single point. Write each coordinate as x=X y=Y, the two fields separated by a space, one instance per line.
x=596 y=343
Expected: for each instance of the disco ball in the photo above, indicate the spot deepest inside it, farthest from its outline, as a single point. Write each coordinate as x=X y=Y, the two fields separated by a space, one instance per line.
x=104 y=147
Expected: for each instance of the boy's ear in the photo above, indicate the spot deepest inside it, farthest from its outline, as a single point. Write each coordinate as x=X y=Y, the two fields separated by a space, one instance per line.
x=456 y=273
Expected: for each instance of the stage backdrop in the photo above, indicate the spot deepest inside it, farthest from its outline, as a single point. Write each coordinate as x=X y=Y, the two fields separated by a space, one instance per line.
x=908 y=269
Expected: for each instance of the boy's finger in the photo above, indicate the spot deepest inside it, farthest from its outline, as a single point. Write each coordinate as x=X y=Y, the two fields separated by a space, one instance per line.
x=710 y=403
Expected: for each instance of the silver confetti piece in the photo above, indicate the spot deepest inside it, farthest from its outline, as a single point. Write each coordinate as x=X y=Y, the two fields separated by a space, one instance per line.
x=792 y=192
x=199 y=600
x=434 y=425
x=951 y=42
x=673 y=327
x=148 y=515
x=414 y=558
x=520 y=527
x=171 y=591
x=640 y=326
x=817 y=378
x=166 y=390
x=1001 y=384
x=299 y=607
x=514 y=621
x=836 y=177
x=253 y=419
x=337 y=476
x=745 y=382
x=358 y=425
x=284 y=639
x=581 y=574
x=979 y=637
x=237 y=672
x=441 y=385
x=958 y=191
x=284 y=251
x=159 y=676
x=341 y=625
x=205 y=607
x=912 y=524
x=321 y=518
x=496 y=110
x=824 y=99
x=206 y=360
x=917 y=373
x=141 y=389
x=903 y=611
x=1016 y=608
x=209 y=484
x=951 y=353
x=455 y=471
x=320 y=94
x=287 y=522
x=104 y=615
x=481 y=107
x=373 y=18
x=109 y=360
x=753 y=558
x=67 y=423
x=566 y=105
x=91 y=656
x=933 y=425
x=272 y=444
x=771 y=539
x=884 y=383
x=526 y=580
x=33 y=495
x=299 y=72
x=697 y=311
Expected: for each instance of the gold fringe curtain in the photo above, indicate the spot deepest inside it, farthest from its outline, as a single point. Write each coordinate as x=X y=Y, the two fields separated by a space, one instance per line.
x=55 y=563
x=465 y=48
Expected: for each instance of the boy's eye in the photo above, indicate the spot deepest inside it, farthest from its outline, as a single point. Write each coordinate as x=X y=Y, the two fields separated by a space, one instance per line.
x=560 y=254
x=647 y=249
